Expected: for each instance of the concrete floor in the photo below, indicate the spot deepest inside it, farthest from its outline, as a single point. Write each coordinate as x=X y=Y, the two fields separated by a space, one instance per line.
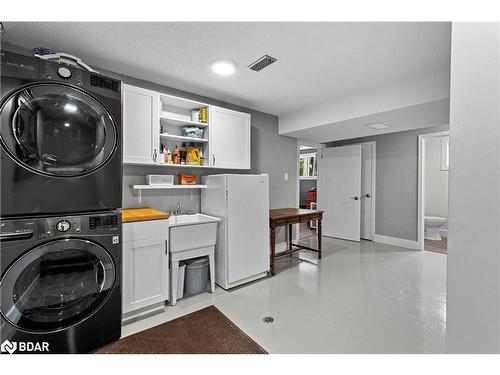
x=360 y=298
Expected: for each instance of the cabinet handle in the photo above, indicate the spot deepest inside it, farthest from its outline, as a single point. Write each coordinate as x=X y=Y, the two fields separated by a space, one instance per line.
x=213 y=159
x=154 y=155
x=166 y=247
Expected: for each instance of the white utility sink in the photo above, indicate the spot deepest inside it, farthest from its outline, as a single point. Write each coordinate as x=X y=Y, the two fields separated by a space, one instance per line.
x=190 y=232
x=179 y=220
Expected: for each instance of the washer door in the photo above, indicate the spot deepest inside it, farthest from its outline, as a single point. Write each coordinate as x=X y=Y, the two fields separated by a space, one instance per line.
x=57 y=130
x=56 y=285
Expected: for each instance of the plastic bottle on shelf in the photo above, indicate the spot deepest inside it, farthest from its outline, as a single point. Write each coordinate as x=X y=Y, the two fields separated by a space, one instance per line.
x=176 y=156
x=202 y=158
x=162 y=154
x=183 y=154
x=203 y=115
x=169 y=156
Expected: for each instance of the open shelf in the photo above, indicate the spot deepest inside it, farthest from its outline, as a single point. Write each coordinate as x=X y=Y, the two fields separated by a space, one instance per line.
x=175 y=101
x=182 y=138
x=170 y=120
x=184 y=166
x=164 y=186
x=166 y=165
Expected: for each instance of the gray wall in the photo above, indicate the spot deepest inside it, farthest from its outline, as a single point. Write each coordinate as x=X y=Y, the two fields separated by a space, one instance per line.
x=396 y=181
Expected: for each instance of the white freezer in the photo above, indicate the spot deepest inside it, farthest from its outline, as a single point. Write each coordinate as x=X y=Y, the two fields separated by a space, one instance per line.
x=242 y=249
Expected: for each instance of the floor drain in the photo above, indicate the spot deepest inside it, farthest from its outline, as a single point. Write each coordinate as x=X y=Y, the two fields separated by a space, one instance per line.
x=268 y=319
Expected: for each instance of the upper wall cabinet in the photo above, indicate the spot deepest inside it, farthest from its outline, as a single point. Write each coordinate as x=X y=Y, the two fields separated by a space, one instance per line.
x=140 y=125
x=229 y=138
x=154 y=122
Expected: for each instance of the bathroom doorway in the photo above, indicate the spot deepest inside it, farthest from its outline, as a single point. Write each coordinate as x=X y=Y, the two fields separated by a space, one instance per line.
x=433 y=170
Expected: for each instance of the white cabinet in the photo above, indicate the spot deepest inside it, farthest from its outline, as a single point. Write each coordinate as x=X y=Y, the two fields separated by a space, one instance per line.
x=140 y=125
x=229 y=138
x=145 y=264
x=152 y=120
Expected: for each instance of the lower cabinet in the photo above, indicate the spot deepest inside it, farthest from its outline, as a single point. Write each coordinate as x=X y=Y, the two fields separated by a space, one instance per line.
x=145 y=264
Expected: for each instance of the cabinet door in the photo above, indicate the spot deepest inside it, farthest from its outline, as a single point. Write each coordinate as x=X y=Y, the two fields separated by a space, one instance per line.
x=229 y=138
x=145 y=273
x=141 y=121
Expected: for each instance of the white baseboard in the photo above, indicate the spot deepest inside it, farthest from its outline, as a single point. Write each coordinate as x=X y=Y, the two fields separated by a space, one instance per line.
x=401 y=242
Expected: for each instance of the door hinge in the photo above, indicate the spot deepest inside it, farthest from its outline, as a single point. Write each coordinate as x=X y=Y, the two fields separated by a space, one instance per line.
x=227 y=194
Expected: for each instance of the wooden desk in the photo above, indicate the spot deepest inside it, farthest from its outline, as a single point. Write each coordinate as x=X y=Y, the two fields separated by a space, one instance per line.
x=280 y=217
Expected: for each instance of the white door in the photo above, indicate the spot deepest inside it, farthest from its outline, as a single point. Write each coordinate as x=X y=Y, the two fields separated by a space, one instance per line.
x=145 y=273
x=229 y=138
x=340 y=190
x=367 y=189
x=247 y=226
x=140 y=125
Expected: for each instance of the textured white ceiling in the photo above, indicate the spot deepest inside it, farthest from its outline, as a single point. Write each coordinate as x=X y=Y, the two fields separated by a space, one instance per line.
x=316 y=61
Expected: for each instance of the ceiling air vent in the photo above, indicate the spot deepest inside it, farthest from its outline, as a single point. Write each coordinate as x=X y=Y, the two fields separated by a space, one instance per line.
x=261 y=63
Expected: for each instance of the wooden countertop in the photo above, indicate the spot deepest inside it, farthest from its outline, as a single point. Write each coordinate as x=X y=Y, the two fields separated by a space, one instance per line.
x=129 y=215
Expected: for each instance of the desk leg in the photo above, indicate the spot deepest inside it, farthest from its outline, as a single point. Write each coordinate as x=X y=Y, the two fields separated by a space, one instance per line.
x=273 y=249
x=319 y=238
x=290 y=237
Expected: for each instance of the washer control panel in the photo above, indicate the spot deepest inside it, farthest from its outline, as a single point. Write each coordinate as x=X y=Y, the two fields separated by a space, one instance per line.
x=53 y=226
x=43 y=228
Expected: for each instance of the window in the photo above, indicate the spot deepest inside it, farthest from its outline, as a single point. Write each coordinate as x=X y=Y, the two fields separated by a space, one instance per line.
x=307 y=166
x=445 y=153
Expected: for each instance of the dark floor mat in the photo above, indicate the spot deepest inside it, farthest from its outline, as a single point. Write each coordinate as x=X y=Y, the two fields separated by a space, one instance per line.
x=206 y=331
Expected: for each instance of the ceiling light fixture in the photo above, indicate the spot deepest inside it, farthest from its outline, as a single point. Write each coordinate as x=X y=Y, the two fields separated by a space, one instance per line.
x=223 y=67
x=378 y=126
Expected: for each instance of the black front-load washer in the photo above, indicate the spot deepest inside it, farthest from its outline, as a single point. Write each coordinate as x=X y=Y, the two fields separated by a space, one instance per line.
x=60 y=283
x=60 y=138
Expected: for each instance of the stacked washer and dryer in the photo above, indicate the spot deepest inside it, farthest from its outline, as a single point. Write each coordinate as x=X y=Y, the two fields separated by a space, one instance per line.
x=61 y=193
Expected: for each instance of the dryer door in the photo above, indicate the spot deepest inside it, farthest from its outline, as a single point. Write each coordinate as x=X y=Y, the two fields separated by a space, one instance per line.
x=56 y=285
x=57 y=130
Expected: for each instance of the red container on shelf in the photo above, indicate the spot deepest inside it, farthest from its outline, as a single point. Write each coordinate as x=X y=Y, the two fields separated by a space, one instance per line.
x=185 y=179
x=310 y=197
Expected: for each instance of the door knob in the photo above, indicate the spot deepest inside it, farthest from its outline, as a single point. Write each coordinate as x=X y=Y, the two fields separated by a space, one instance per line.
x=367 y=195
x=355 y=197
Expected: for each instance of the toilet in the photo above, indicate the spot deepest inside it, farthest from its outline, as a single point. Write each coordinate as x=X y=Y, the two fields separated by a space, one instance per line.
x=433 y=225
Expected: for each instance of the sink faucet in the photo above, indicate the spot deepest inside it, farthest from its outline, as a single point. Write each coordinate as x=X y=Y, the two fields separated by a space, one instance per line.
x=178 y=209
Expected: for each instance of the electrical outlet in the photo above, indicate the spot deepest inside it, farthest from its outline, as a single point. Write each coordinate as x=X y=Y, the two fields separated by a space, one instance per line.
x=286 y=176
